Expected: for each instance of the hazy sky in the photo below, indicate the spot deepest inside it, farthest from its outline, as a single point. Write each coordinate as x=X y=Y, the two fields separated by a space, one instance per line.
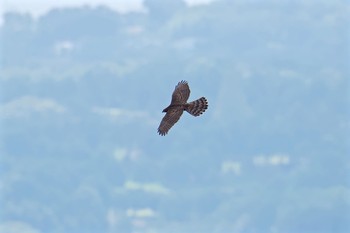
x=38 y=7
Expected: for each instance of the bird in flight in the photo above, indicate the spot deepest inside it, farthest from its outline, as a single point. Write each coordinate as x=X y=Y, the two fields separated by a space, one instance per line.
x=178 y=105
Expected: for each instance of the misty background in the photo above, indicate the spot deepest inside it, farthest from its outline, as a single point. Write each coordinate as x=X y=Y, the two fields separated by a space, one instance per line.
x=81 y=94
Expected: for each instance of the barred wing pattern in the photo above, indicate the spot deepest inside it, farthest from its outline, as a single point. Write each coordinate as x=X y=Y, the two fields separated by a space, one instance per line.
x=181 y=93
x=178 y=105
x=170 y=118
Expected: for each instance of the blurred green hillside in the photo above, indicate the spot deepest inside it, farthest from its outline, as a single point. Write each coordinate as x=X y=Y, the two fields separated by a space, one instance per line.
x=82 y=90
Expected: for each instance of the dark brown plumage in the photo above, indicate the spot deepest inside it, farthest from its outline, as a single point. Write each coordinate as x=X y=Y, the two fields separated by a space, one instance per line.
x=178 y=105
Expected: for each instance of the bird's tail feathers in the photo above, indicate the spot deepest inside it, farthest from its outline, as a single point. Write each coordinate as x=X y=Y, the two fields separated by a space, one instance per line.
x=197 y=107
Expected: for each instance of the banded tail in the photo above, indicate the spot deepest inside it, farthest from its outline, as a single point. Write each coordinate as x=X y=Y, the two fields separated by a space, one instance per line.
x=197 y=107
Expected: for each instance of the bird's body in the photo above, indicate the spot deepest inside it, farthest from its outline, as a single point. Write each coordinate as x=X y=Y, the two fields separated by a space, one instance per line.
x=178 y=105
x=183 y=106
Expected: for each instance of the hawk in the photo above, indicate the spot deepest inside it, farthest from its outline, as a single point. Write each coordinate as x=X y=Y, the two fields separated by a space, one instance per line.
x=178 y=105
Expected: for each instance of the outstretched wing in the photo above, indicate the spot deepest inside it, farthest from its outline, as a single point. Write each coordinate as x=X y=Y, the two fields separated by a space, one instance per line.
x=170 y=118
x=181 y=93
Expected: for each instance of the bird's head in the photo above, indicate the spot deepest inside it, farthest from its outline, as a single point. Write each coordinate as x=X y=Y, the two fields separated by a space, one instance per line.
x=166 y=109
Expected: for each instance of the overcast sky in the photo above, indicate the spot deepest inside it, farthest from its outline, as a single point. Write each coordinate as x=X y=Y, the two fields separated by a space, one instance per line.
x=39 y=7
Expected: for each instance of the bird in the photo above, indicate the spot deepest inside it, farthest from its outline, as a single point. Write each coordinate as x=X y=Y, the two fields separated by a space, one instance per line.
x=178 y=105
